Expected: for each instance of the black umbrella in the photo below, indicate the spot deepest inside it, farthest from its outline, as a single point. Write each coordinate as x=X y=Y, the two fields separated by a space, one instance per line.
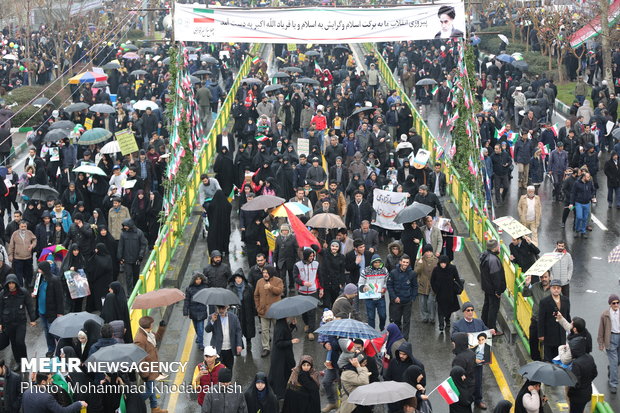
x=548 y=373
x=40 y=192
x=291 y=307
x=262 y=202
x=412 y=213
x=76 y=107
x=194 y=79
x=280 y=75
x=343 y=49
x=426 y=81
x=360 y=110
x=292 y=69
x=70 y=324
x=616 y=133
x=312 y=53
x=111 y=66
x=190 y=49
x=42 y=101
x=521 y=65
x=62 y=124
x=101 y=84
x=251 y=81
x=271 y=88
x=166 y=61
x=209 y=59
x=309 y=81
x=102 y=108
x=56 y=135
x=127 y=353
x=147 y=50
x=138 y=72
x=216 y=296
x=201 y=72
x=130 y=48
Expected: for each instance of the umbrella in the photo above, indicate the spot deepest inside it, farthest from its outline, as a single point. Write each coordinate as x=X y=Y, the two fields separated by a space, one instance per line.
x=127 y=353
x=90 y=169
x=146 y=50
x=102 y=108
x=101 y=85
x=56 y=135
x=504 y=38
x=166 y=61
x=475 y=40
x=548 y=373
x=201 y=72
x=76 y=107
x=412 y=213
x=521 y=65
x=292 y=69
x=263 y=202
x=309 y=81
x=58 y=251
x=209 y=59
x=144 y=105
x=616 y=133
x=343 y=49
x=194 y=79
x=138 y=72
x=88 y=77
x=96 y=135
x=69 y=325
x=10 y=57
x=517 y=56
x=40 y=192
x=326 y=220
x=42 y=101
x=360 y=110
x=291 y=307
x=62 y=124
x=158 y=298
x=426 y=81
x=129 y=47
x=251 y=81
x=614 y=255
x=131 y=56
x=114 y=64
x=296 y=208
x=190 y=49
x=506 y=58
x=381 y=392
x=216 y=296
x=271 y=88
x=280 y=75
x=348 y=328
x=312 y=53
x=110 y=148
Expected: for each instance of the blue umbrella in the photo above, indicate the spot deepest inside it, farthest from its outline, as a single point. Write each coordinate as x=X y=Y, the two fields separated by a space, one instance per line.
x=348 y=328
x=505 y=58
x=475 y=40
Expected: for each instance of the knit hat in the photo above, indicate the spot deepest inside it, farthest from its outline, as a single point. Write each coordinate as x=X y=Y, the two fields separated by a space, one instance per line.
x=427 y=248
x=612 y=298
x=224 y=375
x=215 y=253
x=375 y=257
x=350 y=289
x=466 y=305
x=492 y=244
x=327 y=316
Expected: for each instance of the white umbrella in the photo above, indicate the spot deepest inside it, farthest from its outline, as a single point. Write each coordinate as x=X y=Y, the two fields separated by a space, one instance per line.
x=144 y=105
x=90 y=169
x=111 y=147
x=10 y=57
x=504 y=38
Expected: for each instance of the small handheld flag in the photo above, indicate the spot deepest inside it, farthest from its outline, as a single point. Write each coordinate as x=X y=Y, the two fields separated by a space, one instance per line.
x=457 y=244
x=449 y=391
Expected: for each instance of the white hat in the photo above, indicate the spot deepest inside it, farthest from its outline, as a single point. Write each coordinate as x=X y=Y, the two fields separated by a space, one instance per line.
x=210 y=351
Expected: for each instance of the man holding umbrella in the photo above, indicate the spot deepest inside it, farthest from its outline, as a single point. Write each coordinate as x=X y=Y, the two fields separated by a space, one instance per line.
x=227 y=334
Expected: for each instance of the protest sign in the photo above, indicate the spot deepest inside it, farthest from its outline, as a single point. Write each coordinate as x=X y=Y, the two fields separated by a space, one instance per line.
x=387 y=204
x=303 y=146
x=126 y=141
x=512 y=227
x=544 y=263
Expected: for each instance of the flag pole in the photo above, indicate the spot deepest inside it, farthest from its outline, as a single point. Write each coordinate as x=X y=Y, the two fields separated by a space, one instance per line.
x=433 y=391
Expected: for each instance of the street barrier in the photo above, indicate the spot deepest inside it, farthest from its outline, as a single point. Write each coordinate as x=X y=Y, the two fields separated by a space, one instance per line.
x=171 y=230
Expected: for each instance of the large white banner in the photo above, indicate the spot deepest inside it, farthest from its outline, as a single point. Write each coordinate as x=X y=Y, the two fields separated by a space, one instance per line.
x=317 y=24
x=387 y=204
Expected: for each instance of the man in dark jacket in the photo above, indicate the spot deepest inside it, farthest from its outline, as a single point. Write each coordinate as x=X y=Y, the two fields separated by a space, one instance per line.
x=343 y=306
x=5 y=269
x=437 y=181
x=15 y=302
x=39 y=399
x=523 y=252
x=333 y=151
x=524 y=151
x=83 y=235
x=285 y=255
x=581 y=197
x=355 y=261
x=224 y=398
x=11 y=397
x=149 y=125
x=228 y=347
x=131 y=251
x=550 y=332
x=429 y=198
x=402 y=285
x=493 y=282
x=301 y=169
x=612 y=172
x=217 y=272
x=584 y=369
x=50 y=302
x=501 y=173
x=106 y=339
x=358 y=210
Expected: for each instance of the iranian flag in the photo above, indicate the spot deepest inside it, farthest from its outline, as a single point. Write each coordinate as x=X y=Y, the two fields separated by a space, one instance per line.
x=554 y=129
x=457 y=244
x=317 y=67
x=261 y=138
x=435 y=90
x=448 y=391
x=501 y=131
x=231 y=196
x=255 y=60
x=513 y=136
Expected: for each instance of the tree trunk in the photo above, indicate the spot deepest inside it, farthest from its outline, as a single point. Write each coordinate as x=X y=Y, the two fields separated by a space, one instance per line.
x=605 y=43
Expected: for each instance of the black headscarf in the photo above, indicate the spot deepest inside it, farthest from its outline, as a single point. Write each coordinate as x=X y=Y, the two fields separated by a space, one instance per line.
x=115 y=308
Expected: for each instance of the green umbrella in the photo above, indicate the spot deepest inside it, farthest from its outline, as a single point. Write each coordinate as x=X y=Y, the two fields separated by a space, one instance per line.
x=95 y=135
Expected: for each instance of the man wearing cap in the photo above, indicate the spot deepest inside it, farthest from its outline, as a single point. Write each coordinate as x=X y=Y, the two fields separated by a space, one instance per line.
x=469 y=324
x=558 y=162
x=206 y=373
x=316 y=175
x=116 y=216
x=227 y=334
x=608 y=338
x=550 y=332
x=225 y=397
x=429 y=198
x=343 y=305
x=374 y=280
x=339 y=174
x=537 y=291
x=285 y=255
x=493 y=283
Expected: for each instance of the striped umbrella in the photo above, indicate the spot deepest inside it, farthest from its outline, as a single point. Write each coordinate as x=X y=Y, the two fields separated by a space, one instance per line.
x=88 y=77
x=296 y=208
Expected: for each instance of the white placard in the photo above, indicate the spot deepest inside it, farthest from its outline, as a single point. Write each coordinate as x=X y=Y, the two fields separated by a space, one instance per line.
x=387 y=205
